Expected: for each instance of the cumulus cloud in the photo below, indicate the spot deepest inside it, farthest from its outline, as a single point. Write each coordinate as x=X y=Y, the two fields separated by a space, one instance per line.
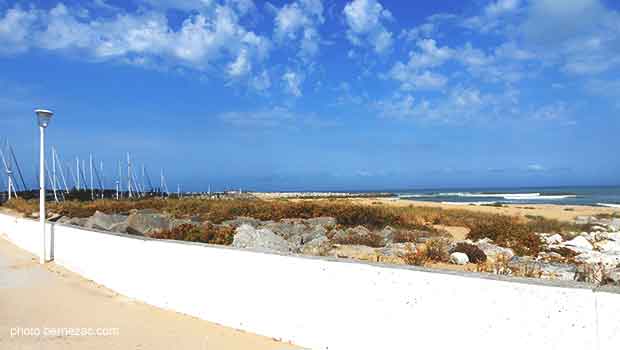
x=366 y=24
x=299 y=21
x=16 y=28
x=292 y=83
x=211 y=39
x=501 y=7
x=462 y=104
x=582 y=36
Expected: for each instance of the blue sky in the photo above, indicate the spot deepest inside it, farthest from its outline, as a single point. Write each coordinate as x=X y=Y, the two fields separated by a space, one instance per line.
x=319 y=94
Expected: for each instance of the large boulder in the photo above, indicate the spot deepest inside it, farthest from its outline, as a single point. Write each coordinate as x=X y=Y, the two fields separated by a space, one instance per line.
x=584 y=220
x=558 y=271
x=387 y=234
x=553 y=239
x=459 y=258
x=492 y=250
x=317 y=247
x=72 y=221
x=140 y=223
x=579 y=244
x=102 y=221
x=314 y=233
x=322 y=220
x=608 y=246
x=247 y=236
x=243 y=220
x=287 y=229
x=353 y=251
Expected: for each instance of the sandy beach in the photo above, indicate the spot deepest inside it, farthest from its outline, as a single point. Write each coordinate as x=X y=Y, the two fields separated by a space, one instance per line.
x=550 y=211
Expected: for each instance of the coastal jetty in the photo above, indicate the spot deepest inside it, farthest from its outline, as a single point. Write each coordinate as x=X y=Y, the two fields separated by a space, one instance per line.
x=318 y=195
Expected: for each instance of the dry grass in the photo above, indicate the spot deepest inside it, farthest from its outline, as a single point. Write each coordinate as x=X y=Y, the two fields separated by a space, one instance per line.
x=370 y=240
x=411 y=256
x=205 y=233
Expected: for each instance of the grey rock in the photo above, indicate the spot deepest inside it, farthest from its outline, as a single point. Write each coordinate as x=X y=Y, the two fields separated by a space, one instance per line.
x=608 y=246
x=317 y=247
x=338 y=235
x=314 y=233
x=387 y=234
x=584 y=220
x=247 y=236
x=614 y=276
x=579 y=244
x=143 y=211
x=492 y=250
x=359 y=231
x=557 y=271
x=323 y=221
x=72 y=221
x=242 y=220
x=121 y=227
x=615 y=224
x=287 y=229
x=102 y=221
x=459 y=258
x=144 y=224
x=553 y=239
x=63 y=220
x=396 y=249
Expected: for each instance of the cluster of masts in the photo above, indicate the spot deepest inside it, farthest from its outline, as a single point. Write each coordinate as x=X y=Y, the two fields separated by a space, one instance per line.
x=87 y=178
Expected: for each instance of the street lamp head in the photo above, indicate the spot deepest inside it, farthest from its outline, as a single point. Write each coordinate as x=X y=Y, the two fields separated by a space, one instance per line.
x=44 y=116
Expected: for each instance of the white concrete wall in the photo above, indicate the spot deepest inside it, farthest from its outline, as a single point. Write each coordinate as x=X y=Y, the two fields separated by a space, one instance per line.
x=324 y=303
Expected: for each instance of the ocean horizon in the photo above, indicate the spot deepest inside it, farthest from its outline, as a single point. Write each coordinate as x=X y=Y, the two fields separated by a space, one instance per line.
x=608 y=195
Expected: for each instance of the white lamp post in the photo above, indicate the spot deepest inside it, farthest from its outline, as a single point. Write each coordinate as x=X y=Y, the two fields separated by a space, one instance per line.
x=43 y=116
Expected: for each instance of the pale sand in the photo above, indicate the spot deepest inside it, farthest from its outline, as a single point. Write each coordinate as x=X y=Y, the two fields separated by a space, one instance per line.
x=32 y=295
x=550 y=211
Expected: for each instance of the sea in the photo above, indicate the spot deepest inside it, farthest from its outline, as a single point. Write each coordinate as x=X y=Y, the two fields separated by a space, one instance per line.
x=595 y=196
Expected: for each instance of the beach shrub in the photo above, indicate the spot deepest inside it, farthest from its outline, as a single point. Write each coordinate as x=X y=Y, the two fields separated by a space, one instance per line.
x=207 y=233
x=370 y=240
x=437 y=249
x=413 y=256
x=509 y=232
x=475 y=254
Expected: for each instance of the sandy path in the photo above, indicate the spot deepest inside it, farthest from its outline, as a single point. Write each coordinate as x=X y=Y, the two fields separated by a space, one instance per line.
x=52 y=297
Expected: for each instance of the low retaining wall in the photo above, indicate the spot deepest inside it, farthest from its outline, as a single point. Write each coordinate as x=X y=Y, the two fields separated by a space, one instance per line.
x=331 y=304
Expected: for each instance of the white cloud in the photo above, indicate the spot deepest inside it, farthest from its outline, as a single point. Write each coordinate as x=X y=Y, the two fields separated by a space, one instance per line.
x=186 y=5
x=430 y=55
x=414 y=79
x=581 y=36
x=16 y=27
x=267 y=118
x=536 y=167
x=365 y=20
x=300 y=20
x=495 y=17
x=241 y=66
x=552 y=112
x=460 y=105
x=213 y=39
x=501 y=7
x=261 y=82
x=292 y=83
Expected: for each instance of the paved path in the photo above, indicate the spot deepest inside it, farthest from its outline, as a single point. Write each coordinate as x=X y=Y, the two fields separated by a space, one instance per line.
x=49 y=299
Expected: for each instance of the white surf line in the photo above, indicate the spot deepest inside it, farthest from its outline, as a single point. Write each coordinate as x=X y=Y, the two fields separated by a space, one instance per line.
x=609 y=205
